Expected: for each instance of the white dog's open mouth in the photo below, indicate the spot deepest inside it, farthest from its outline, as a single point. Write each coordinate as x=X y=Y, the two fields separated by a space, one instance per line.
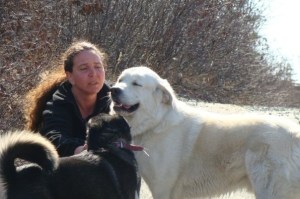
x=119 y=107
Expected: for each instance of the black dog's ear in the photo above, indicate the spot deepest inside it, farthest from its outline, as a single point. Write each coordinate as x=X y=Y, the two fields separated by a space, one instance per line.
x=95 y=121
x=91 y=141
x=119 y=125
x=93 y=129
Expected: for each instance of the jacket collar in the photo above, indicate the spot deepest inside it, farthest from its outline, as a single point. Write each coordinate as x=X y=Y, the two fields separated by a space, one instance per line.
x=64 y=95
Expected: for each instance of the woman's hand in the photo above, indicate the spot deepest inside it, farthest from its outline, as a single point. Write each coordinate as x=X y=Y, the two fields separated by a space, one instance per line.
x=80 y=149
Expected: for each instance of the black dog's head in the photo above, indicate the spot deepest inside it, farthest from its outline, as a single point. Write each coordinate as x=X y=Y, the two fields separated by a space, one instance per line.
x=104 y=130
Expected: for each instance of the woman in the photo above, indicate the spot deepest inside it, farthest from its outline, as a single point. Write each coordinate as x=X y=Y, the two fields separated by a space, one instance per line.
x=66 y=100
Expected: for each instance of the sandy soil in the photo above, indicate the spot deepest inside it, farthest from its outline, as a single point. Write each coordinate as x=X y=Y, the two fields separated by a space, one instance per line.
x=146 y=194
x=293 y=114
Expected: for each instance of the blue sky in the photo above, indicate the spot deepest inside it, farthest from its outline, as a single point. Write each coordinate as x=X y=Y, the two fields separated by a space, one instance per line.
x=282 y=30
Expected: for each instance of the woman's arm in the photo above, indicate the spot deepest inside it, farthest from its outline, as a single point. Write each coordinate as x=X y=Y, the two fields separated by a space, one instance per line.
x=63 y=128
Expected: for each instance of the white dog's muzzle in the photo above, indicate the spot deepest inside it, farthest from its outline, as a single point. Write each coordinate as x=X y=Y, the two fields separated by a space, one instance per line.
x=118 y=105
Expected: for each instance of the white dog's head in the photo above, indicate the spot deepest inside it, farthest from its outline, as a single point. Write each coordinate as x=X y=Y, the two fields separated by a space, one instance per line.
x=142 y=97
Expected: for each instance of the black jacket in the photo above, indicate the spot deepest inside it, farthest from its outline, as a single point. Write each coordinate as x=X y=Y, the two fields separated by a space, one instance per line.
x=62 y=121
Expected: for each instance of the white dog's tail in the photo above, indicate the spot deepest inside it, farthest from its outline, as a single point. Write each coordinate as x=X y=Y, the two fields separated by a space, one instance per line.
x=28 y=146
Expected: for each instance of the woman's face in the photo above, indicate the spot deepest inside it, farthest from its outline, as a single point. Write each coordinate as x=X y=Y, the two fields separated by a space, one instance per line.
x=88 y=73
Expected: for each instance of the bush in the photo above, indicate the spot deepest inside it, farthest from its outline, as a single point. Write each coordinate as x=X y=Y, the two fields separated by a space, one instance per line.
x=207 y=49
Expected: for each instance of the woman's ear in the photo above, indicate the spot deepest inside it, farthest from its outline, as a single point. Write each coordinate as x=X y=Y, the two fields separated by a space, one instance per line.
x=70 y=77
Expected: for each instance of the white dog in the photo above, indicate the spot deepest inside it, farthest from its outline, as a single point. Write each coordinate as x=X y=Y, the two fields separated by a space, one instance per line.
x=193 y=153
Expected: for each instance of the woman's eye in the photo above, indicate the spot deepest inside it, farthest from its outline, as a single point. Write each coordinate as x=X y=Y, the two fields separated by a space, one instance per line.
x=99 y=67
x=83 y=68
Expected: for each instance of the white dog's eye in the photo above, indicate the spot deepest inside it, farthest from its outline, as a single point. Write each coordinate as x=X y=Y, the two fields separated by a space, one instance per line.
x=136 y=84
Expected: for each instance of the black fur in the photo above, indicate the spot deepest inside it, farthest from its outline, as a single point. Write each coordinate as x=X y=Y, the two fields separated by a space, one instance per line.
x=104 y=171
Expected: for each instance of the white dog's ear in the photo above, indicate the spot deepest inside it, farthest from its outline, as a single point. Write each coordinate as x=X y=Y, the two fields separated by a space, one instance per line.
x=167 y=91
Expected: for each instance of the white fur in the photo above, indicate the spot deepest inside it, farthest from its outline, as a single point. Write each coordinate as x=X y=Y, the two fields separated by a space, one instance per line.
x=193 y=153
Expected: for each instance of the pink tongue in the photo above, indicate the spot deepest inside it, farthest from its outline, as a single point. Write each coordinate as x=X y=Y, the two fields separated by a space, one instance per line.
x=125 y=106
x=135 y=147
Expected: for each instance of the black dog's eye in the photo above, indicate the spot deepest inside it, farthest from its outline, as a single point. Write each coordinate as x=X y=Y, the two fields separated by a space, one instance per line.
x=136 y=84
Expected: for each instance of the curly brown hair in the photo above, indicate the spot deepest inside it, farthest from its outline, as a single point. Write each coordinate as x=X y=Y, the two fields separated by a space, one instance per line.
x=36 y=98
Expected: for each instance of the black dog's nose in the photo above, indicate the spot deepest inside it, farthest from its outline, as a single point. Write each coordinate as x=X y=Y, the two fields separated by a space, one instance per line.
x=115 y=91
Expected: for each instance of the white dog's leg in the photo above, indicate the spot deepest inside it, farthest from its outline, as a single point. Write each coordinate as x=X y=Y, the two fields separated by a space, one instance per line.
x=163 y=195
x=136 y=195
x=269 y=170
x=260 y=171
x=164 y=191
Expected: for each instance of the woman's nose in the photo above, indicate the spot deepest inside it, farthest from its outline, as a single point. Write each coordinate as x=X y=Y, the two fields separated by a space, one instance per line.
x=92 y=72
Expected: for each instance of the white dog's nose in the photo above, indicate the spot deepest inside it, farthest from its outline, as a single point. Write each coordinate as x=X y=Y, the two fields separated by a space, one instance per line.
x=115 y=91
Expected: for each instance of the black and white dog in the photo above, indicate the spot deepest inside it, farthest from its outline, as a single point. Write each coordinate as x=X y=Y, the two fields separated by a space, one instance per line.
x=107 y=170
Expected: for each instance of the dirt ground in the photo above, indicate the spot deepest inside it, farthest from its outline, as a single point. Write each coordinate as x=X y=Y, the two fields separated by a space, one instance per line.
x=293 y=114
x=146 y=194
